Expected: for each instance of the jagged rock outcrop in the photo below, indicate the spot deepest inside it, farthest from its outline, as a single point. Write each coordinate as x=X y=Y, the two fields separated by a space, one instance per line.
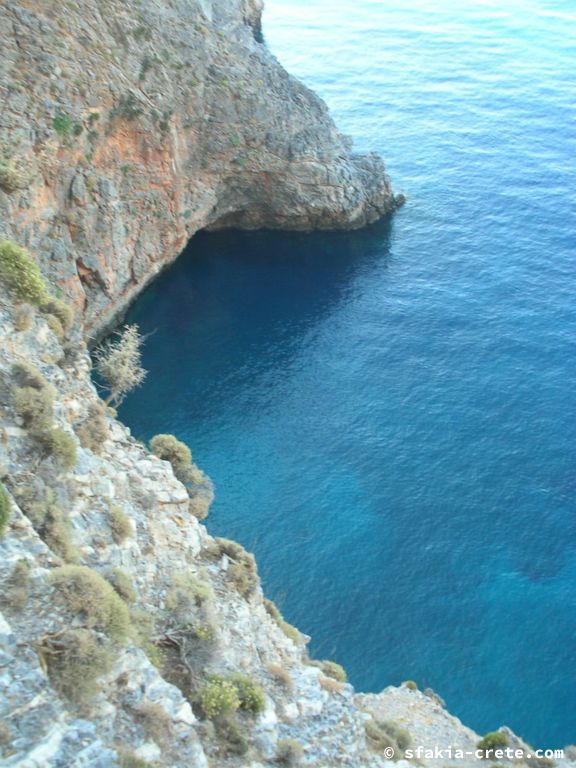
x=127 y=126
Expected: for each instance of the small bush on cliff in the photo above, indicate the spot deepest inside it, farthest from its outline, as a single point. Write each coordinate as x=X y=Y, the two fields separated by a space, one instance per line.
x=123 y=585
x=23 y=317
x=21 y=274
x=169 y=448
x=492 y=740
x=61 y=445
x=27 y=375
x=383 y=734
x=18 y=586
x=119 y=363
x=119 y=524
x=60 y=310
x=251 y=695
x=75 y=661
x=333 y=670
x=87 y=593
x=219 y=697
x=289 y=630
x=4 y=510
x=35 y=407
x=289 y=752
x=94 y=430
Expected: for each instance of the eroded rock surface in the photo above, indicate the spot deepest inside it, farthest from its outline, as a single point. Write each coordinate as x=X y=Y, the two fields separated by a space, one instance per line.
x=127 y=126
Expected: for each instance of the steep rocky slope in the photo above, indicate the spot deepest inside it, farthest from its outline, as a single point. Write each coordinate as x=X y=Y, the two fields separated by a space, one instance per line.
x=126 y=126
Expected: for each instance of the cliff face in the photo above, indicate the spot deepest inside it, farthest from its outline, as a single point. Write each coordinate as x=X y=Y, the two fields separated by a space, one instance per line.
x=127 y=126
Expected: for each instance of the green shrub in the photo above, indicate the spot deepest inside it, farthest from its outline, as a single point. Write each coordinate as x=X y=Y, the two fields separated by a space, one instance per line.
x=75 y=661
x=219 y=697
x=493 y=740
x=35 y=407
x=169 y=448
x=289 y=630
x=119 y=524
x=334 y=670
x=94 y=430
x=61 y=311
x=242 y=569
x=127 y=108
x=66 y=126
x=27 y=375
x=383 y=734
x=55 y=531
x=61 y=445
x=12 y=177
x=4 y=510
x=228 y=730
x=21 y=274
x=123 y=585
x=289 y=752
x=87 y=593
x=410 y=684
x=251 y=695
x=187 y=591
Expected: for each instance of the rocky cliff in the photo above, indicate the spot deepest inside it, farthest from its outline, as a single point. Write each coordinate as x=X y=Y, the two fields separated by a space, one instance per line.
x=127 y=126
x=129 y=637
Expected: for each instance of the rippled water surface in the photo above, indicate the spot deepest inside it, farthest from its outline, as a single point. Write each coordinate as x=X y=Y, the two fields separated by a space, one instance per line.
x=388 y=415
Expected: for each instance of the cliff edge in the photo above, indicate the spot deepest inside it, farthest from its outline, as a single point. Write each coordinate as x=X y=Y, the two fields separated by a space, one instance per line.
x=127 y=126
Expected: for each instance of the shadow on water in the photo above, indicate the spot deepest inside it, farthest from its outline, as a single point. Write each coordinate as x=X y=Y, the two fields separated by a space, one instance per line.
x=243 y=294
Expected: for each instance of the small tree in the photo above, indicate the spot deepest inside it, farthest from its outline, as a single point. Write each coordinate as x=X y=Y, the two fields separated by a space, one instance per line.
x=118 y=362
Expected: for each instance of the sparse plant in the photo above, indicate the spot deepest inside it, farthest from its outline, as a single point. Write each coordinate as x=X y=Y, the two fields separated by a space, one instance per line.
x=119 y=524
x=384 y=734
x=219 y=697
x=228 y=730
x=127 y=108
x=21 y=273
x=27 y=375
x=35 y=407
x=12 y=175
x=94 y=430
x=330 y=685
x=61 y=445
x=61 y=311
x=4 y=510
x=289 y=752
x=119 y=364
x=18 y=586
x=23 y=317
x=289 y=630
x=334 y=670
x=55 y=530
x=492 y=740
x=251 y=695
x=87 y=593
x=130 y=760
x=169 y=448
x=123 y=585
x=280 y=674
x=410 y=684
x=241 y=567
x=75 y=660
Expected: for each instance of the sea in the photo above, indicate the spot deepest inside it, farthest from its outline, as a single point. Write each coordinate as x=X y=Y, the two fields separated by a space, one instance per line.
x=388 y=415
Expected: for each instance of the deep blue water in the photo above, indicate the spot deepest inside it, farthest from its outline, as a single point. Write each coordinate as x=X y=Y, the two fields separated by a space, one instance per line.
x=388 y=415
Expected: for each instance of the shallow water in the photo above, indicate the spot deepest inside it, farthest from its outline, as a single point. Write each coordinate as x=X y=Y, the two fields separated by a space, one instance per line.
x=388 y=415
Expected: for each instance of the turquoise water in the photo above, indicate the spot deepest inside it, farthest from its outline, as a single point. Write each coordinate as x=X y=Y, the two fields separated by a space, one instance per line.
x=388 y=415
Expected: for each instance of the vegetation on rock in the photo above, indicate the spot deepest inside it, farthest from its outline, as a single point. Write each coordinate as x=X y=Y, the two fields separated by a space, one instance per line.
x=119 y=363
